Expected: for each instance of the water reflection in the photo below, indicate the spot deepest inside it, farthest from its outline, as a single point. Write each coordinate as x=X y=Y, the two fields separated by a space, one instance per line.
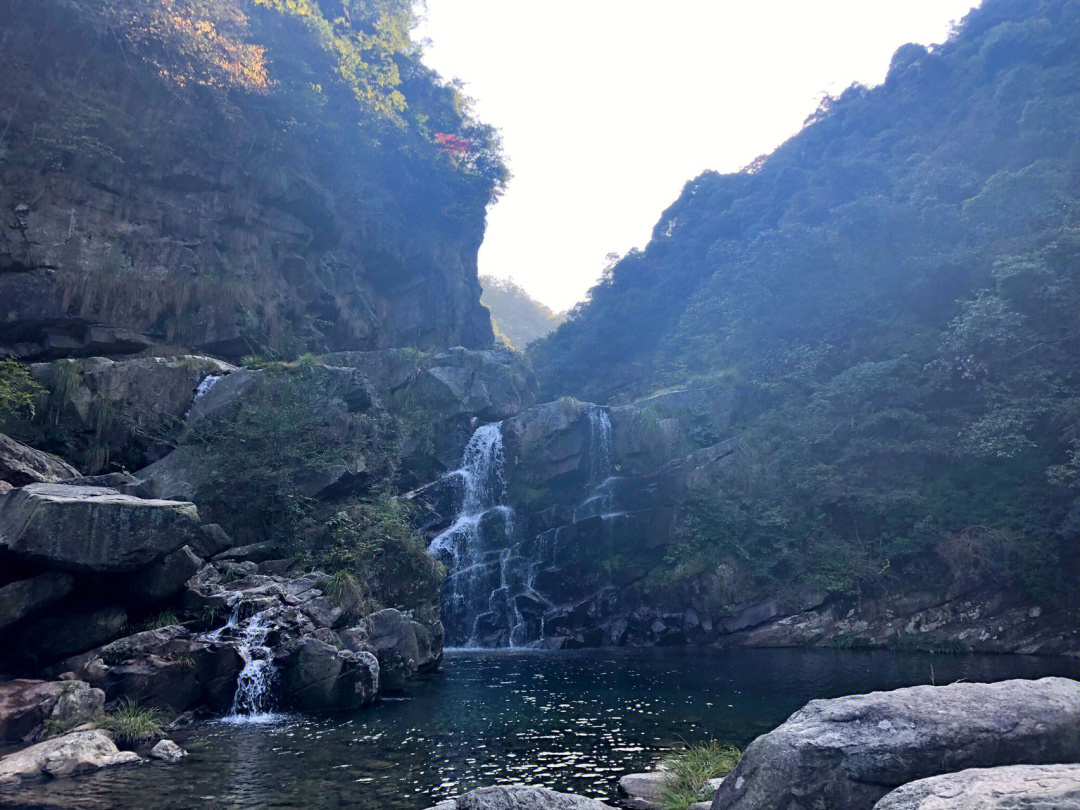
x=571 y=721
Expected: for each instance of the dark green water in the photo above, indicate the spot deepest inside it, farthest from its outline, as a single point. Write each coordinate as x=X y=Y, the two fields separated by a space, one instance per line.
x=570 y=721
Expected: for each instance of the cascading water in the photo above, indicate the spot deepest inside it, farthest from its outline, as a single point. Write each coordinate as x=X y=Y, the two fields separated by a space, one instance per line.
x=205 y=385
x=502 y=587
x=600 y=502
x=254 y=685
x=473 y=542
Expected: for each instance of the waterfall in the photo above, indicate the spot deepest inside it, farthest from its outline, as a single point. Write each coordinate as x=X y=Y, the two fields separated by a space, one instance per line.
x=473 y=544
x=254 y=685
x=205 y=385
x=600 y=502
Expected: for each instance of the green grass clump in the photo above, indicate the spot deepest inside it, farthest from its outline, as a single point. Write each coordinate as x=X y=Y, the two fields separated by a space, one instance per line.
x=132 y=724
x=164 y=619
x=691 y=769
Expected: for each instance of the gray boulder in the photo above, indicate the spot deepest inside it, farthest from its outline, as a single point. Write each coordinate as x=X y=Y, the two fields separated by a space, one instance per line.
x=68 y=755
x=92 y=528
x=21 y=465
x=27 y=706
x=1011 y=787
x=322 y=678
x=402 y=646
x=27 y=596
x=165 y=669
x=847 y=753
x=519 y=797
x=167 y=751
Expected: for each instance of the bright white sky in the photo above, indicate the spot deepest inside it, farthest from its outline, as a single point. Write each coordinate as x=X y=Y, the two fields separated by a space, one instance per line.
x=607 y=107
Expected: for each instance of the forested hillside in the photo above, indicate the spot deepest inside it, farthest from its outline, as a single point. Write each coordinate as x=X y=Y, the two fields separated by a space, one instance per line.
x=247 y=176
x=517 y=317
x=895 y=295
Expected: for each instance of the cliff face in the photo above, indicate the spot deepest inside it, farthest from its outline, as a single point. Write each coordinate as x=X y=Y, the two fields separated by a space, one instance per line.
x=142 y=208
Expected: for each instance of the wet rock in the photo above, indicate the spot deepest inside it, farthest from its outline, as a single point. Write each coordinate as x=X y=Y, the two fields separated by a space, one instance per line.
x=167 y=751
x=1011 y=787
x=165 y=578
x=21 y=465
x=92 y=528
x=847 y=753
x=322 y=678
x=28 y=596
x=26 y=706
x=519 y=797
x=68 y=755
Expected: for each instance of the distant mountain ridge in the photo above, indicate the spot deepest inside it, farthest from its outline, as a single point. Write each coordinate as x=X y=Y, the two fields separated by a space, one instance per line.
x=516 y=316
x=895 y=293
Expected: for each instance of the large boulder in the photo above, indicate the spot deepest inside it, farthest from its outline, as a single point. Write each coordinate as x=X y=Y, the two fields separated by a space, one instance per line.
x=166 y=668
x=26 y=707
x=846 y=753
x=28 y=596
x=322 y=678
x=21 y=465
x=92 y=528
x=1010 y=787
x=68 y=755
x=519 y=797
x=403 y=647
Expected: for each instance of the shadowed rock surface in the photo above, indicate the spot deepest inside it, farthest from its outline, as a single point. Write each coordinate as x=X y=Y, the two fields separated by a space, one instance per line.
x=21 y=465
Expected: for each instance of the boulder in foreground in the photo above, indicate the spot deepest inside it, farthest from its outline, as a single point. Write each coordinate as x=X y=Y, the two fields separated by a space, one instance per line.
x=81 y=528
x=519 y=797
x=69 y=755
x=1012 y=787
x=846 y=753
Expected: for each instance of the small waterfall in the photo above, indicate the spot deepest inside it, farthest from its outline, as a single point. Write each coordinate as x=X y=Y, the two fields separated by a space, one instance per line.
x=464 y=544
x=600 y=502
x=205 y=385
x=254 y=685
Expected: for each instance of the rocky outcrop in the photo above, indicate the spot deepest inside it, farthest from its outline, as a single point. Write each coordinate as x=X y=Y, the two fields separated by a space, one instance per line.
x=21 y=465
x=81 y=528
x=441 y=396
x=1011 y=787
x=231 y=234
x=999 y=620
x=68 y=755
x=134 y=407
x=28 y=708
x=519 y=797
x=847 y=753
